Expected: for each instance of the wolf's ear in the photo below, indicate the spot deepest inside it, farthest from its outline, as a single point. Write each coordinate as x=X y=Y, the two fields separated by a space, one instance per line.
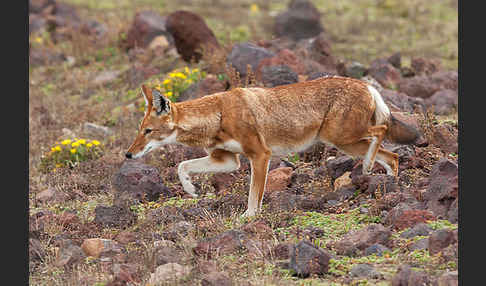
x=161 y=103
x=147 y=95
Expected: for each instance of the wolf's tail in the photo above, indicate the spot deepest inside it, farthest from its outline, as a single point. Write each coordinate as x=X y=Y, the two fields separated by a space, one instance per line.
x=398 y=131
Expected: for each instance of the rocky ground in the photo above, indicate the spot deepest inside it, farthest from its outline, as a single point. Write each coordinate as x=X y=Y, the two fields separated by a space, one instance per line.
x=108 y=221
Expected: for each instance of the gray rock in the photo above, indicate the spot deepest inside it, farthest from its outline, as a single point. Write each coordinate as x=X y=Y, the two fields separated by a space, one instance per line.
x=244 y=54
x=168 y=272
x=278 y=75
x=421 y=229
x=364 y=270
x=137 y=181
x=307 y=259
x=300 y=21
x=376 y=248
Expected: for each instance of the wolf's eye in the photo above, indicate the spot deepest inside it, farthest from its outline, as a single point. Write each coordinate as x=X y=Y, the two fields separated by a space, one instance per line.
x=147 y=131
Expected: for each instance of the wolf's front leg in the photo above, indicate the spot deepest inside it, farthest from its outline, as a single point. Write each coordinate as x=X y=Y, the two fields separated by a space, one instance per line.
x=217 y=161
x=259 y=169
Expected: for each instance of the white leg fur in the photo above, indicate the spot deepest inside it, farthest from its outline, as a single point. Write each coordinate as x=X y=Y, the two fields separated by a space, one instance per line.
x=367 y=159
x=202 y=165
x=387 y=167
x=253 y=205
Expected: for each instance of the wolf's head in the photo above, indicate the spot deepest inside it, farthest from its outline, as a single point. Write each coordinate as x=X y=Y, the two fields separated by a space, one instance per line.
x=156 y=128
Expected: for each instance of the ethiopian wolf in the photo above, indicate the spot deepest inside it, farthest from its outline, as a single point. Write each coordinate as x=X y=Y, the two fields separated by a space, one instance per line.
x=343 y=112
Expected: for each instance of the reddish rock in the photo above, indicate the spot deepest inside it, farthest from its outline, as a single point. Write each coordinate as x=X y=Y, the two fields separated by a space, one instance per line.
x=191 y=35
x=443 y=101
x=408 y=218
x=258 y=229
x=386 y=74
x=282 y=251
x=425 y=86
x=99 y=247
x=422 y=66
x=51 y=195
x=356 y=241
x=222 y=181
x=283 y=57
x=405 y=276
x=444 y=136
x=440 y=239
x=145 y=27
x=216 y=279
x=301 y=20
x=400 y=100
x=278 y=179
x=125 y=237
x=395 y=60
x=124 y=273
x=449 y=278
x=225 y=243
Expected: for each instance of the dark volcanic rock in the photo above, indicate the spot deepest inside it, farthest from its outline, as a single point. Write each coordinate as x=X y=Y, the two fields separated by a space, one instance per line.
x=191 y=35
x=376 y=248
x=421 y=229
x=114 y=216
x=243 y=54
x=300 y=21
x=364 y=270
x=338 y=166
x=278 y=75
x=306 y=259
x=440 y=239
x=401 y=100
x=443 y=188
x=283 y=57
x=138 y=181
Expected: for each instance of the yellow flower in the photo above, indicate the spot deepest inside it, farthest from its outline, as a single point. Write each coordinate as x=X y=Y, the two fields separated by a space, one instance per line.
x=195 y=70
x=189 y=81
x=180 y=75
x=169 y=94
x=57 y=148
x=73 y=150
x=39 y=40
x=172 y=74
x=82 y=141
x=254 y=8
x=89 y=145
x=58 y=165
x=167 y=81
x=95 y=142
x=75 y=144
x=66 y=142
x=186 y=69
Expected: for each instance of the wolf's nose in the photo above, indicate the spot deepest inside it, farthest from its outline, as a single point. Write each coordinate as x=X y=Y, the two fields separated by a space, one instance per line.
x=128 y=155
